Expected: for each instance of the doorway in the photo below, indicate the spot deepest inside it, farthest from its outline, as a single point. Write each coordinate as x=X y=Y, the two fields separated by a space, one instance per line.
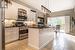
x=59 y=38
x=53 y=21
x=63 y=21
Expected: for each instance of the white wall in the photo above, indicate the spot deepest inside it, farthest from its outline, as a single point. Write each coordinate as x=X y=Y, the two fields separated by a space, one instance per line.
x=59 y=5
x=67 y=24
x=12 y=10
x=12 y=13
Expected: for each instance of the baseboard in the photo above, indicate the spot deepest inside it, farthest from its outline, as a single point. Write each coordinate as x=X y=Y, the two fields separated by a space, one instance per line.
x=11 y=41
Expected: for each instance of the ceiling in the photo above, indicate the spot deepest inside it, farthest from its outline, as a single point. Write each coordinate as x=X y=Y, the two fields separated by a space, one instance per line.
x=54 y=5
x=59 y=5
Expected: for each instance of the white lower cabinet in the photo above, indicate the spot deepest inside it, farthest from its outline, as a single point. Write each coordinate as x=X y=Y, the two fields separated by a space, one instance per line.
x=39 y=38
x=11 y=34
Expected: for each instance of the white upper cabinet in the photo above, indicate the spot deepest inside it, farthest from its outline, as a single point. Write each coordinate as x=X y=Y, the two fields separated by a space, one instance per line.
x=32 y=16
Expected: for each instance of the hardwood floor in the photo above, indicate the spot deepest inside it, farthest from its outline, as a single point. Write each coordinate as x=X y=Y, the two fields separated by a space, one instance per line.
x=61 y=42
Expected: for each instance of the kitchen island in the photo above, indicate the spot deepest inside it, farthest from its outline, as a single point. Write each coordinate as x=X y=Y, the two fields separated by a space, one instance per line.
x=39 y=37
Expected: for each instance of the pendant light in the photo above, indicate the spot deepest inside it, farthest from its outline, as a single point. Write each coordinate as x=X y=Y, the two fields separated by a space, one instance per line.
x=5 y=3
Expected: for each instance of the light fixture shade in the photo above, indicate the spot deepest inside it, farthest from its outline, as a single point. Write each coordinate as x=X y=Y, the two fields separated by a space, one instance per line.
x=5 y=3
x=8 y=1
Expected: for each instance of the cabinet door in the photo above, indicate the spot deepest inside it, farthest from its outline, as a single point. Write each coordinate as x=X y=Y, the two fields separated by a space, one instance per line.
x=11 y=34
x=32 y=16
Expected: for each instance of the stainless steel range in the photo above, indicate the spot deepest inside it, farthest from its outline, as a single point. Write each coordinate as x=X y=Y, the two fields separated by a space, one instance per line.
x=23 y=32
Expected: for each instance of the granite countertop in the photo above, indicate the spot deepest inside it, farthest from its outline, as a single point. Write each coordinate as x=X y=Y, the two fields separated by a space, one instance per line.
x=31 y=27
x=39 y=27
x=10 y=26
